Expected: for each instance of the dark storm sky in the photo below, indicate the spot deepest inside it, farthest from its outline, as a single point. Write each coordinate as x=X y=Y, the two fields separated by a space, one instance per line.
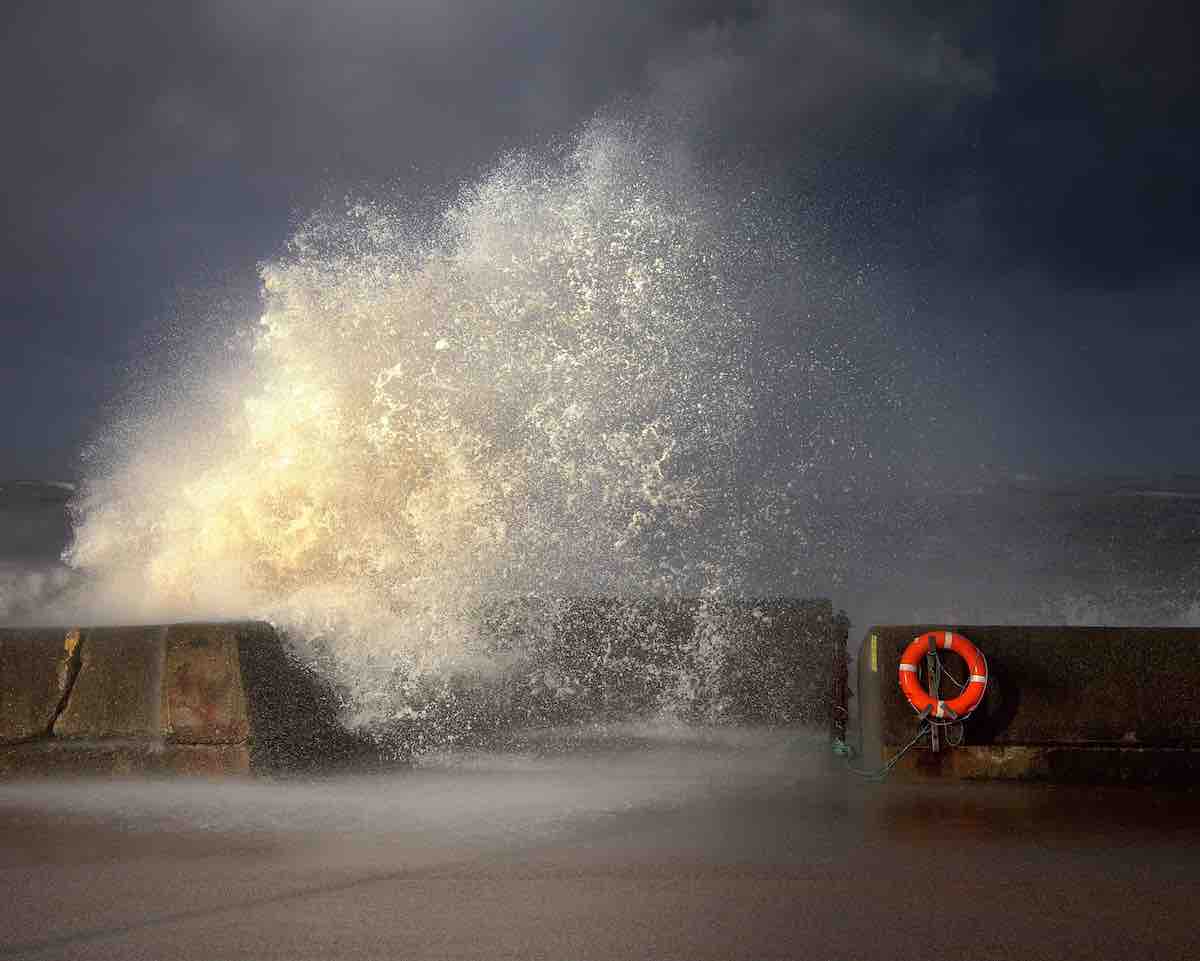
x=1025 y=175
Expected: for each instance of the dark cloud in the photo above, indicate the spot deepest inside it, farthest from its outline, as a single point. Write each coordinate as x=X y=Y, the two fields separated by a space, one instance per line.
x=154 y=147
x=816 y=72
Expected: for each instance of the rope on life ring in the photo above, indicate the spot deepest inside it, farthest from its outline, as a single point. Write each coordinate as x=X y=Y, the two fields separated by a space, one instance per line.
x=972 y=693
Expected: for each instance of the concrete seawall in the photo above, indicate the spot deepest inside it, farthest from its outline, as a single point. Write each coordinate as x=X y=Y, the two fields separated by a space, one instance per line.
x=1063 y=704
x=1080 y=704
x=178 y=699
x=231 y=699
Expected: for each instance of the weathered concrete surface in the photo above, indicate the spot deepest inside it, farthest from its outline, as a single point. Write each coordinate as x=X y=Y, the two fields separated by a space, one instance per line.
x=37 y=668
x=766 y=661
x=181 y=682
x=141 y=692
x=1063 y=703
x=1068 y=764
x=203 y=699
x=118 y=690
x=294 y=714
x=122 y=757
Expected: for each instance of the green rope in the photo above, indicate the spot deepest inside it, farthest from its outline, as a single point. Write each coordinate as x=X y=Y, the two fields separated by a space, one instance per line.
x=847 y=752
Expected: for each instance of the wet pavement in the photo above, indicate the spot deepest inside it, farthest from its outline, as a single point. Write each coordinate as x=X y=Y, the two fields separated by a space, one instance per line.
x=688 y=846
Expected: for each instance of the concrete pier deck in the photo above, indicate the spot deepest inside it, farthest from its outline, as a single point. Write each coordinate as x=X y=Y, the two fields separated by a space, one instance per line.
x=744 y=848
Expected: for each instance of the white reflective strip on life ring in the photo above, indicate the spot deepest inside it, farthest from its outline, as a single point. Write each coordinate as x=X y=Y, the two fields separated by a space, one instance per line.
x=909 y=667
x=949 y=640
x=941 y=709
x=981 y=678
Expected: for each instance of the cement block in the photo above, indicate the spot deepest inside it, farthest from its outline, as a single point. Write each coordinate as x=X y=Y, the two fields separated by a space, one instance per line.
x=232 y=697
x=608 y=659
x=37 y=667
x=206 y=699
x=122 y=757
x=1065 y=763
x=205 y=760
x=203 y=699
x=1063 y=703
x=294 y=713
x=118 y=692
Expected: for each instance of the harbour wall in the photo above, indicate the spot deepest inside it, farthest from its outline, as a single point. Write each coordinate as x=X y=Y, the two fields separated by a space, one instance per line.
x=1085 y=704
x=232 y=698
x=204 y=699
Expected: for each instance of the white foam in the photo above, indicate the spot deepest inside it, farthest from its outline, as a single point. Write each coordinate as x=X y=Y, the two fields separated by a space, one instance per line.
x=540 y=393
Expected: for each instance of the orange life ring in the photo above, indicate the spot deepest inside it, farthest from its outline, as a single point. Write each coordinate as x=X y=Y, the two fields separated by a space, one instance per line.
x=918 y=697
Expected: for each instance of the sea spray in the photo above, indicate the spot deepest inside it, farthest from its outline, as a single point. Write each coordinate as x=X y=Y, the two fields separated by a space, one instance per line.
x=540 y=393
x=594 y=372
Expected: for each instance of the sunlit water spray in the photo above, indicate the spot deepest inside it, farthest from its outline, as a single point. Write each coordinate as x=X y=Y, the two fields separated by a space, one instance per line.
x=594 y=372
x=540 y=393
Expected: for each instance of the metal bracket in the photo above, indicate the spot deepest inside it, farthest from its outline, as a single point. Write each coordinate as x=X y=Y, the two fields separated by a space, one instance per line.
x=933 y=668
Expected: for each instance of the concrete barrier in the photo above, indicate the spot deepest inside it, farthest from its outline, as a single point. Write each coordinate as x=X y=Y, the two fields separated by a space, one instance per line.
x=770 y=661
x=179 y=699
x=1083 y=704
x=230 y=698
x=37 y=670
